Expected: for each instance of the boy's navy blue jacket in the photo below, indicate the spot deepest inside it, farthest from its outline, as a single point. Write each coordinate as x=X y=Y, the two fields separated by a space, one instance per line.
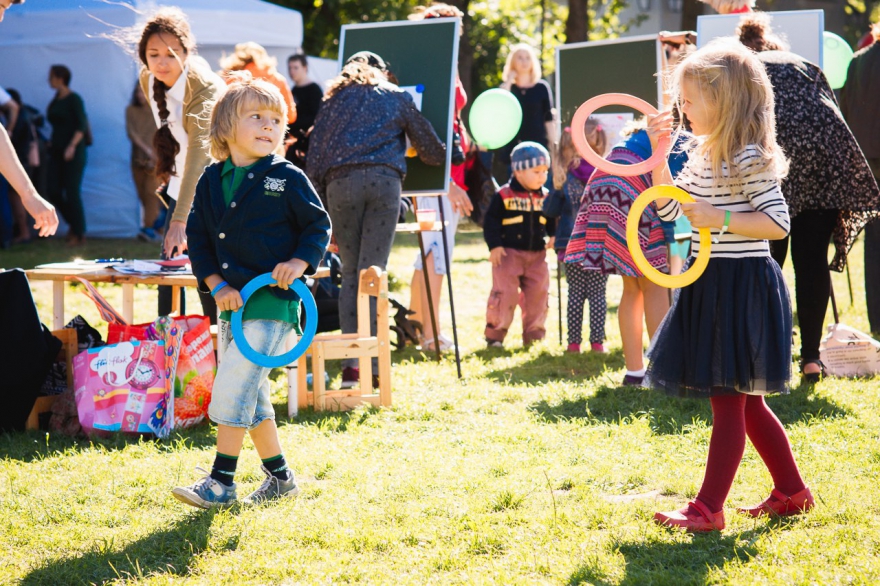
x=274 y=216
x=514 y=218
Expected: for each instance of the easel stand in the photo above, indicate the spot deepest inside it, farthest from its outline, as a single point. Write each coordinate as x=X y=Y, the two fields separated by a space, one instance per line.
x=429 y=293
x=559 y=294
x=449 y=287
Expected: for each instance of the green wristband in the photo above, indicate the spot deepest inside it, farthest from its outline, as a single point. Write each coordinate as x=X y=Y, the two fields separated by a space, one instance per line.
x=724 y=227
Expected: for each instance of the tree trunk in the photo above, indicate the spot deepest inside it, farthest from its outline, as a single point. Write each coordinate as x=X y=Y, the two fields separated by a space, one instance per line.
x=689 y=13
x=465 y=50
x=576 y=27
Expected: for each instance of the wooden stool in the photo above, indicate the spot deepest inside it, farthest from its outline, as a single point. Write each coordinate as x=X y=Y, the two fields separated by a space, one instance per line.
x=361 y=345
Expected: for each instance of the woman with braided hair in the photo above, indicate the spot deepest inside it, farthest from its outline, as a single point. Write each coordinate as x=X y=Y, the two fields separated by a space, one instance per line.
x=182 y=90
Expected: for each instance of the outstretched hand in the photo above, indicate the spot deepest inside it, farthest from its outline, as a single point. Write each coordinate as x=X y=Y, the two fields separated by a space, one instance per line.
x=175 y=239
x=659 y=127
x=45 y=217
x=459 y=200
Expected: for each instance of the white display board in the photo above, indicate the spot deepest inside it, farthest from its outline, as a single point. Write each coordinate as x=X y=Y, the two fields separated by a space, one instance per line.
x=801 y=29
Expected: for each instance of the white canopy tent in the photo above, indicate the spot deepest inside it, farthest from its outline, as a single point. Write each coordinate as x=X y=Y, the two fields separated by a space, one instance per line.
x=38 y=34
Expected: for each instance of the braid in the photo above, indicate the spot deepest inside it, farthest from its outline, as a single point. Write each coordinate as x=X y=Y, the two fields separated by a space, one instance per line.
x=171 y=21
x=164 y=143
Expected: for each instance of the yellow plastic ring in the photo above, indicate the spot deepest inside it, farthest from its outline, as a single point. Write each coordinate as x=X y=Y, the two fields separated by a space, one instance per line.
x=635 y=249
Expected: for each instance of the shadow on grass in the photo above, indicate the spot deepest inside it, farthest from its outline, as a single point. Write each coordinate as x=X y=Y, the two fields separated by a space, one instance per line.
x=673 y=563
x=331 y=421
x=669 y=415
x=546 y=368
x=166 y=552
x=32 y=446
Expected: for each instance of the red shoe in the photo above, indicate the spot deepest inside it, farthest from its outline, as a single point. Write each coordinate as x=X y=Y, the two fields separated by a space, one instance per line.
x=780 y=505
x=694 y=518
x=351 y=377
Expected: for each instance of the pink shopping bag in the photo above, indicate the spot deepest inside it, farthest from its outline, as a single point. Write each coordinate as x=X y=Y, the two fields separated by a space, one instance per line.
x=124 y=387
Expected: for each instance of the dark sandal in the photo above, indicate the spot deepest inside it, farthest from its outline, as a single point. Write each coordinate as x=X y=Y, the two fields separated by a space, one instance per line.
x=813 y=377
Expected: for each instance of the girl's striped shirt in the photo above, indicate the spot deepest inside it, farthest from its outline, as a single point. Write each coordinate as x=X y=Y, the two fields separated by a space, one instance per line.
x=752 y=190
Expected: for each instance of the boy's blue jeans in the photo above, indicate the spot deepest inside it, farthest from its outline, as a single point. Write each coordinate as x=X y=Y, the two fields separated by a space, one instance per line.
x=241 y=396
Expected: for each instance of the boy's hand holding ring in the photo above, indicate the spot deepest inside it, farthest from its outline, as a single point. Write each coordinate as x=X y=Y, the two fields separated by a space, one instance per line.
x=228 y=298
x=286 y=273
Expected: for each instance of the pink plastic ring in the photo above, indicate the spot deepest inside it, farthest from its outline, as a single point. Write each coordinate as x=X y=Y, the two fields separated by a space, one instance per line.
x=657 y=158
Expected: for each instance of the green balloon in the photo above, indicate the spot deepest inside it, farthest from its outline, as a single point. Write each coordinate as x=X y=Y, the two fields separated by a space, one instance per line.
x=495 y=118
x=835 y=59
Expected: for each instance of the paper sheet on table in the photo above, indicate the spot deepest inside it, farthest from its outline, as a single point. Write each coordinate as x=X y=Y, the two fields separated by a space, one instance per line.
x=147 y=268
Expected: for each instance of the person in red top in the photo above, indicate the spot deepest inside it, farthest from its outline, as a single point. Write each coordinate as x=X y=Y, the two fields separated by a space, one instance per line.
x=253 y=58
x=456 y=203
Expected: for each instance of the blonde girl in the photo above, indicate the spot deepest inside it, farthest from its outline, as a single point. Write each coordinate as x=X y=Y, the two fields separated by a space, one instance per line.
x=181 y=90
x=522 y=77
x=253 y=58
x=570 y=175
x=728 y=336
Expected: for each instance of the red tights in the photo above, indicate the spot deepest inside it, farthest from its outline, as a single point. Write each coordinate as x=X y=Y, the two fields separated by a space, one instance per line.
x=733 y=418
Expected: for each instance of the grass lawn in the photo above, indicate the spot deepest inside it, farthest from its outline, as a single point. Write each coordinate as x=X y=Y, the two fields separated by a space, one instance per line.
x=534 y=469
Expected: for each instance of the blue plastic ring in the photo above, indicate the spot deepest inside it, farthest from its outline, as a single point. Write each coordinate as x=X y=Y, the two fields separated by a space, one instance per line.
x=305 y=340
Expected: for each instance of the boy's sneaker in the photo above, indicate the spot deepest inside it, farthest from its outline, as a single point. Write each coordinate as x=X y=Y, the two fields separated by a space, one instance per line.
x=494 y=343
x=351 y=377
x=273 y=488
x=207 y=493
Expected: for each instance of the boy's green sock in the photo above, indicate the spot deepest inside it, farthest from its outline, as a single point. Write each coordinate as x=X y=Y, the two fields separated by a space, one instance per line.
x=277 y=467
x=223 y=470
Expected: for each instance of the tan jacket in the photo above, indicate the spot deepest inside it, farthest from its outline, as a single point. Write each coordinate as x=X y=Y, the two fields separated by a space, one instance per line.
x=203 y=88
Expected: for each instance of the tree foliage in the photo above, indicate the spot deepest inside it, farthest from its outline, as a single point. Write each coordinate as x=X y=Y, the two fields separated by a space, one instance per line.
x=859 y=16
x=491 y=28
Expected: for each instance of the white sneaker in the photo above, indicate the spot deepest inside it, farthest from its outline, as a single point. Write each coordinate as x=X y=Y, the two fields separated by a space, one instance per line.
x=445 y=344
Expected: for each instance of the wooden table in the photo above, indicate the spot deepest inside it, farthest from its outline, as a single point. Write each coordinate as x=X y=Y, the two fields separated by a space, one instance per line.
x=58 y=273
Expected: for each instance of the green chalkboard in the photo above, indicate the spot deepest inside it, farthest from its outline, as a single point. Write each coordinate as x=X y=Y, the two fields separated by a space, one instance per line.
x=586 y=70
x=420 y=53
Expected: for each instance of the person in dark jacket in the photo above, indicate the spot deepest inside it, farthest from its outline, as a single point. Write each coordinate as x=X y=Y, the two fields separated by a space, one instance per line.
x=67 y=157
x=357 y=163
x=253 y=213
x=514 y=229
x=307 y=95
x=829 y=189
x=860 y=106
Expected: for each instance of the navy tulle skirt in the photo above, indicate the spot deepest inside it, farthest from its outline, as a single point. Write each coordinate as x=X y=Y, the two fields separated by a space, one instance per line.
x=729 y=332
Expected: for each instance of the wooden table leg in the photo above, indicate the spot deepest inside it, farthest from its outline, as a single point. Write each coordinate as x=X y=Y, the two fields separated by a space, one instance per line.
x=128 y=302
x=57 y=305
x=292 y=378
x=175 y=300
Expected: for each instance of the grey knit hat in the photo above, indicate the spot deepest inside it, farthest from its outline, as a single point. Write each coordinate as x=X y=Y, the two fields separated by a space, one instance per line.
x=527 y=155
